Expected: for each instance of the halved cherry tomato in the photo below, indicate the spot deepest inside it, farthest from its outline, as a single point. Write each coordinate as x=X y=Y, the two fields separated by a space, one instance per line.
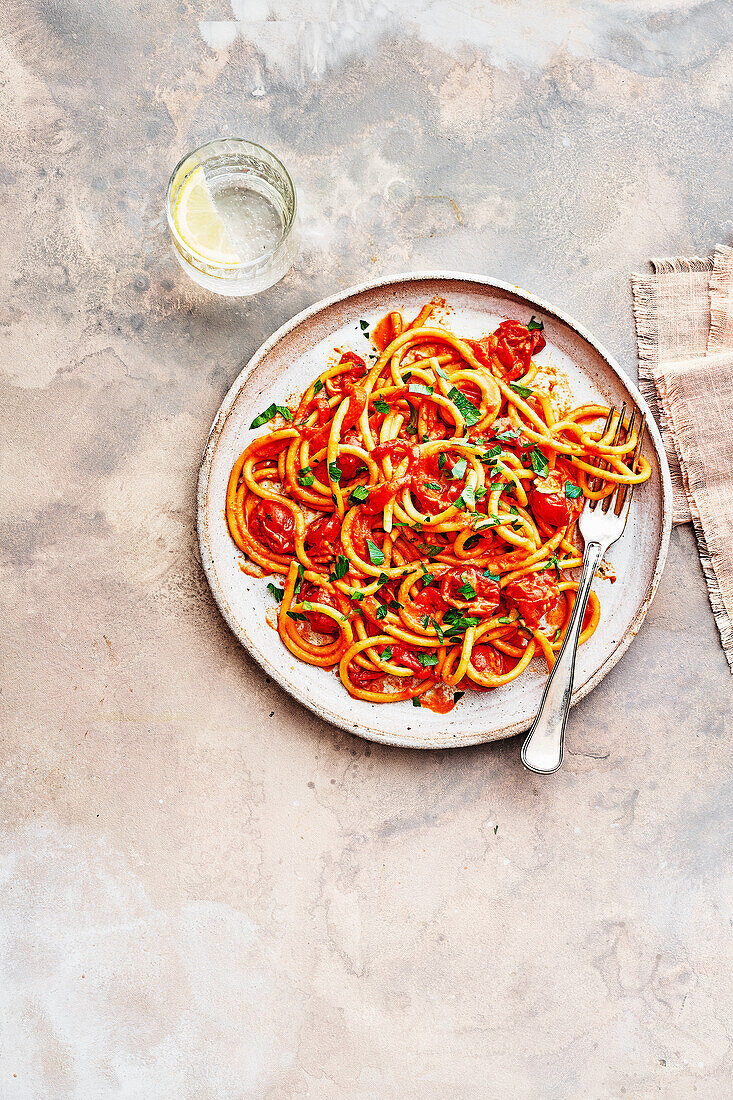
x=273 y=525
x=487 y=590
x=323 y=536
x=533 y=595
x=403 y=655
x=363 y=677
x=549 y=502
x=428 y=601
x=313 y=593
x=318 y=436
x=484 y=658
x=349 y=464
x=359 y=369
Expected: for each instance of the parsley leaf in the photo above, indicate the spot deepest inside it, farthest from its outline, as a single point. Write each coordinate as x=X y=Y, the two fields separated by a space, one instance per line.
x=382 y=611
x=533 y=324
x=416 y=387
x=467 y=408
x=359 y=494
x=318 y=386
x=269 y=412
x=364 y=325
x=468 y=497
x=433 y=485
x=376 y=556
x=381 y=406
x=438 y=630
x=459 y=470
x=428 y=660
x=467 y=590
x=572 y=490
x=540 y=465
x=442 y=459
x=278 y=593
x=386 y=653
x=299 y=579
x=334 y=471
x=440 y=372
x=523 y=391
x=305 y=476
x=340 y=569
x=416 y=701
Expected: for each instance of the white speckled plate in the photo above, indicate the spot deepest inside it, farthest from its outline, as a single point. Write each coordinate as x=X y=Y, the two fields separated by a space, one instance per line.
x=282 y=368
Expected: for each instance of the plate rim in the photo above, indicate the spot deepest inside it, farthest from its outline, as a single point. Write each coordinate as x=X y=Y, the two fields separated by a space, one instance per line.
x=222 y=415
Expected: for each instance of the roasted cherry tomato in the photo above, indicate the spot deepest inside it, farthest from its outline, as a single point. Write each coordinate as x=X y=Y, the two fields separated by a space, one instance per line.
x=484 y=658
x=358 y=370
x=408 y=658
x=318 y=436
x=313 y=593
x=549 y=502
x=533 y=595
x=509 y=349
x=363 y=677
x=457 y=583
x=323 y=537
x=273 y=525
x=349 y=464
x=428 y=601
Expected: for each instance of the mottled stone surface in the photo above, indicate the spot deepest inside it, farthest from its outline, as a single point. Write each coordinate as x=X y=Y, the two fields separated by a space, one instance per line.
x=207 y=892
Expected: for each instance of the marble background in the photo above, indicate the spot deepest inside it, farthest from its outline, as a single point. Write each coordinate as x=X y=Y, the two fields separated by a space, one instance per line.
x=206 y=891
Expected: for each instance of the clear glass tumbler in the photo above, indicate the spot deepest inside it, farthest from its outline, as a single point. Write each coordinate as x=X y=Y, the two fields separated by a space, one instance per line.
x=232 y=212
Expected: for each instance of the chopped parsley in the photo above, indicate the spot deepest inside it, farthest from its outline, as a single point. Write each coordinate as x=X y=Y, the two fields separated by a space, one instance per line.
x=381 y=406
x=523 y=391
x=359 y=494
x=467 y=590
x=269 y=412
x=364 y=325
x=382 y=611
x=305 y=476
x=442 y=459
x=386 y=653
x=533 y=324
x=340 y=569
x=416 y=701
x=376 y=556
x=318 y=386
x=459 y=470
x=334 y=471
x=278 y=593
x=572 y=491
x=471 y=414
x=428 y=660
x=540 y=465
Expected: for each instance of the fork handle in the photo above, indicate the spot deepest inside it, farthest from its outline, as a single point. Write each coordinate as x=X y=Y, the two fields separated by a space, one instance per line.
x=542 y=750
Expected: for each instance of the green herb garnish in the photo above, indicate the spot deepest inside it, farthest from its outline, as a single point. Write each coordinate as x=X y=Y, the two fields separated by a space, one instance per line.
x=376 y=556
x=269 y=412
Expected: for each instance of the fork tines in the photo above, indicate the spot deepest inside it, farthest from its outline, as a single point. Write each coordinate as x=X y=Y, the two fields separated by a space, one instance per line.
x=622 y=492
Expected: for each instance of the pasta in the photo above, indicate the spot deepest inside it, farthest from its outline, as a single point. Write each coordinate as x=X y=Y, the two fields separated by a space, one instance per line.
x=421 y=505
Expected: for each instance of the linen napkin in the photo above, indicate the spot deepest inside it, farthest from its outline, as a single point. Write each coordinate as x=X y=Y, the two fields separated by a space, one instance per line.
x=684 y=325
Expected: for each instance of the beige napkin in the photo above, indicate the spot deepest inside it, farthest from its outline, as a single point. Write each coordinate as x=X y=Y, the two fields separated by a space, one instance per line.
x=684 y=325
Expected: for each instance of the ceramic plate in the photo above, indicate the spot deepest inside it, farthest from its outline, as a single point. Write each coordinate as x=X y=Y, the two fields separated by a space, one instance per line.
x=283 y=367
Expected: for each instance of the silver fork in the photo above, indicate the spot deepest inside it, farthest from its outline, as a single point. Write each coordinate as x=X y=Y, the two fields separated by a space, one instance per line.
x=600 y=527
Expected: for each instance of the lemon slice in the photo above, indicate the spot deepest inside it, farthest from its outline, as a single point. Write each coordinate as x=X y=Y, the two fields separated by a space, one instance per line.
x=198 y=223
